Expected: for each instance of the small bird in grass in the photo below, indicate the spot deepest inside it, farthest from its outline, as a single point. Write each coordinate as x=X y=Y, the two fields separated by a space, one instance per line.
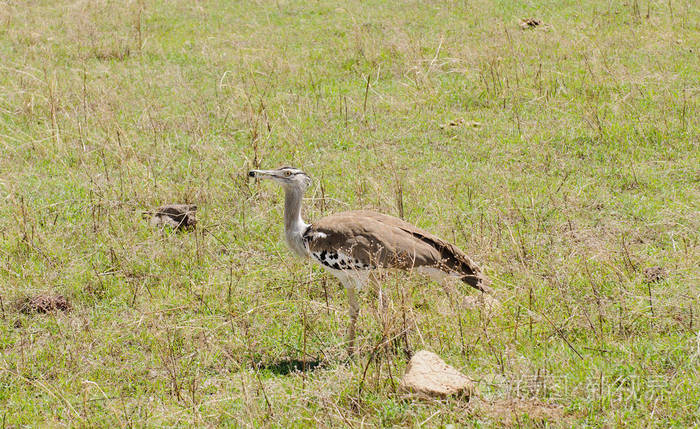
x=351 y=244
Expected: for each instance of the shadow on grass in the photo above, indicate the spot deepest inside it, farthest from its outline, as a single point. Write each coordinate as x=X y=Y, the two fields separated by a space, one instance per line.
x=286 y=366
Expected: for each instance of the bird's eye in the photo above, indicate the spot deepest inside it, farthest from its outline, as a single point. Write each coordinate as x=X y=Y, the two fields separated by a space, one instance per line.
x=287 y=173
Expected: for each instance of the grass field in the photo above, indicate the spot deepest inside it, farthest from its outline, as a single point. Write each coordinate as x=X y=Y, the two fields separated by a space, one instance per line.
x=564 y=158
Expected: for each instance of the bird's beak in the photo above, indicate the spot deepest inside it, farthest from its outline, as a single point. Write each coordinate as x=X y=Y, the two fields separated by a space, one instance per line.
x=262 y=174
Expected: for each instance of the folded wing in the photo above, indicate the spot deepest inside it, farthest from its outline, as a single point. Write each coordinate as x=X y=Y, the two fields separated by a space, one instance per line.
x=377 y=240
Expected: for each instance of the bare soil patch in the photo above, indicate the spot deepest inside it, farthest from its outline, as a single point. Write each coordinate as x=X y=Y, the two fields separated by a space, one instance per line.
x=514 y=412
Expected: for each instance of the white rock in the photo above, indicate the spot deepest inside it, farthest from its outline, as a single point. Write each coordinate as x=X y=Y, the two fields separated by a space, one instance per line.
x=427 y=374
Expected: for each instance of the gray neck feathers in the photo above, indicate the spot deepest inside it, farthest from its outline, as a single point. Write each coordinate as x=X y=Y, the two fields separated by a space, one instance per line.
x=294 y=226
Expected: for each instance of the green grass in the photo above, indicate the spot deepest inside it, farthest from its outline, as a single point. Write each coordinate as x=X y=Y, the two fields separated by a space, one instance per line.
x=575 y=167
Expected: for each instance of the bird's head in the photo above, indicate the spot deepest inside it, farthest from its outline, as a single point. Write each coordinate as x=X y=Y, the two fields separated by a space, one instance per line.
x=288 y=177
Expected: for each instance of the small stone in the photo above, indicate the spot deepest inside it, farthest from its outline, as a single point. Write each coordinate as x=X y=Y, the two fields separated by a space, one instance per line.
x=427 y=374
x=453 y=123
x=473 y=124
x=460 y=122
x=177 y=216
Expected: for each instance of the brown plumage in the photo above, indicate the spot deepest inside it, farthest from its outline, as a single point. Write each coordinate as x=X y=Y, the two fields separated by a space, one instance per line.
x=381 y=241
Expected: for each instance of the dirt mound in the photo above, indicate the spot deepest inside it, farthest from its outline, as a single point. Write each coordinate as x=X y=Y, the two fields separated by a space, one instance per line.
x=177 y=216
x=44 y=303
x=527 y=23
x=655 y=274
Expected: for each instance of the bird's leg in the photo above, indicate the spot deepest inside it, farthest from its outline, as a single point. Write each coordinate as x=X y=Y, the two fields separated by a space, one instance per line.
x=392 y=341
x=354 y=311
x=382 y=299
x=382 y=303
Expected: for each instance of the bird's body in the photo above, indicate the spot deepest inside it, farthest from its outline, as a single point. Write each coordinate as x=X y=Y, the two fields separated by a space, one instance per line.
x=366 y=240
x=351 y=244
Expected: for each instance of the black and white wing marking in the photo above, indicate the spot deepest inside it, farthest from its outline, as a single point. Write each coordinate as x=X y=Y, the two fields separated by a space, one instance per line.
x=339 y=261
x=331 y=258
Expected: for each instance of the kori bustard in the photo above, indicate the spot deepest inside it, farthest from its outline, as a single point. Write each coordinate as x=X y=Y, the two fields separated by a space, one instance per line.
x=351 y=244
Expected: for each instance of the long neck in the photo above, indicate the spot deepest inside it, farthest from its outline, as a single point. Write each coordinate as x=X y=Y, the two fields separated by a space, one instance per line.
x=294 y=226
